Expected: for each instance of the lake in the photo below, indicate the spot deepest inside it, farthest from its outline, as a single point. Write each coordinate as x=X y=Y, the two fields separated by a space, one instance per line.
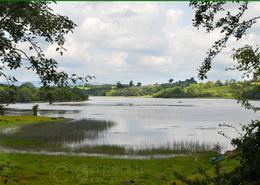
x=151 y=121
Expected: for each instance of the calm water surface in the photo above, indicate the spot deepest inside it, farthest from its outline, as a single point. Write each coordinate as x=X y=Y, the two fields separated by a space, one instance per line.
x=142 y=121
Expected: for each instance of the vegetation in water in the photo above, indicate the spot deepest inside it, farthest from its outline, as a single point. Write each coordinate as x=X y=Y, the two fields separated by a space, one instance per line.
x=69 y=136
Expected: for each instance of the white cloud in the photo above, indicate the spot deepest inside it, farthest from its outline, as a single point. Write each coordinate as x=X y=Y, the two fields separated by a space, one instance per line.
x=151 y=41
x=155 y=61
x=117 y=59
x=174 y=15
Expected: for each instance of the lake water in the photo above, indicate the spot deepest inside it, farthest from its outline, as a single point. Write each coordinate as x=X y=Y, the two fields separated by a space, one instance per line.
x=152 y=121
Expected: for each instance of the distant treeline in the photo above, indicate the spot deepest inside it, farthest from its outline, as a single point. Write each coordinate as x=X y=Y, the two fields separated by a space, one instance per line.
x=27 y=92
x=181 y=89
x=188 y=88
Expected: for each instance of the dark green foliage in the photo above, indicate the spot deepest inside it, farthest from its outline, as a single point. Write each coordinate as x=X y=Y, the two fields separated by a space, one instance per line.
x=131 y=84
x=2 y=110
x=252 y=92
x=35 y=109
x=248 y=148
x=119 y=85
x=60 y=94
x=139 y=84
x=29 y=93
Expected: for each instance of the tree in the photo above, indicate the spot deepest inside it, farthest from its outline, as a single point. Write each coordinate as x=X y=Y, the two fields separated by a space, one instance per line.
x=119 y=85
x=35 y=109
x=219 y=83
x=170 y=80
x=248 y=147
x=139 y=84
x=131 y=84
x=213 y=16
x=31 y=23
x=208 y=15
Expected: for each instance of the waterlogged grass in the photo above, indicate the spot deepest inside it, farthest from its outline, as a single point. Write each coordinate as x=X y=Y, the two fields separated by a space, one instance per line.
x=31 y=169
x=69 y=136
x=177 y=147
x=53 y=136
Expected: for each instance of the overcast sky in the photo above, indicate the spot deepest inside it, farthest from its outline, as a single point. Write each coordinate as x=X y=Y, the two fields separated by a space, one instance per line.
x=144 y=42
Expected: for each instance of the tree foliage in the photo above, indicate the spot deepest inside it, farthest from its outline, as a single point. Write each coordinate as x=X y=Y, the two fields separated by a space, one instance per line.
x=214 y=16
x=24 y=26
x=27 y=92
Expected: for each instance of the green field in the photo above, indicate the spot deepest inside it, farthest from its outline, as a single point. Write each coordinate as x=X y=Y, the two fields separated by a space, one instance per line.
x=28 y=169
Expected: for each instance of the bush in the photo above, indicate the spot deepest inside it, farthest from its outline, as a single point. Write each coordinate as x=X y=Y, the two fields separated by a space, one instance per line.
x=35 y=109
x=175 y=92
x=2 y=110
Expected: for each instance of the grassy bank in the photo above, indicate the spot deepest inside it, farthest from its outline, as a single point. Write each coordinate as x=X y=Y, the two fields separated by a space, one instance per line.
x=28 y=169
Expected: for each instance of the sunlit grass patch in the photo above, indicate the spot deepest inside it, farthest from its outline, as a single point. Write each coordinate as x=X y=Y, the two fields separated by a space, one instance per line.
x=7 y=121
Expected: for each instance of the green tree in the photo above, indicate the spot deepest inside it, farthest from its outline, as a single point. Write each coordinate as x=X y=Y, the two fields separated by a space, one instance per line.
x=139 y=84
x=219 y=83
x=209 y=84
x=131 y=84
x=170 y=80
x=119 y=85
x=35 y=109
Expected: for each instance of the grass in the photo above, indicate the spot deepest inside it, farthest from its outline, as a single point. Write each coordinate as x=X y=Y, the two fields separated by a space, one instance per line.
x=9 y=121
x=29 y=169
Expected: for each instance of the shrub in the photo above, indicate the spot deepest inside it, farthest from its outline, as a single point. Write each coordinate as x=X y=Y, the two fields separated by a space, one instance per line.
x=2 y=110
x=35 y=109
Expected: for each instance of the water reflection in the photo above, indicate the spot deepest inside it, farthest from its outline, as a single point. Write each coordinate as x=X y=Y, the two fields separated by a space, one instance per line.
x=147 y=120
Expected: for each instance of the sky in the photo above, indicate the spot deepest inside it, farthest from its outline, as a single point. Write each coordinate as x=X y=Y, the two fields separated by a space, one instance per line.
x=145 y=42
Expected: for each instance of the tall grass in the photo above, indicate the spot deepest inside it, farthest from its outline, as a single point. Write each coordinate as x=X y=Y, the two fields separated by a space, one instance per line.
x=175 y=147
x=80 y=135
x=49 y=135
